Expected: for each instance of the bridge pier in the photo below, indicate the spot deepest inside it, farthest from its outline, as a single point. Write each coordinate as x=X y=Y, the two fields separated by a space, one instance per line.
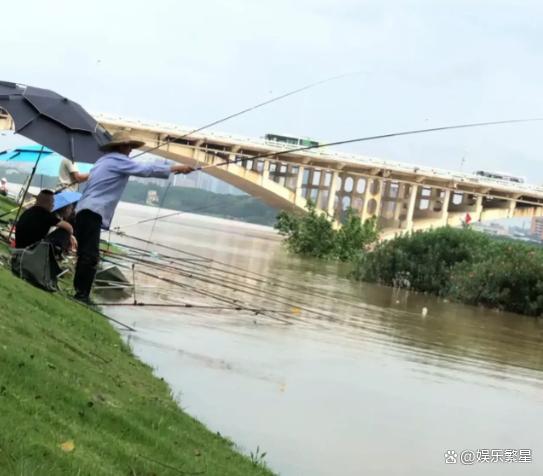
x=413 y=193
x=332 y=194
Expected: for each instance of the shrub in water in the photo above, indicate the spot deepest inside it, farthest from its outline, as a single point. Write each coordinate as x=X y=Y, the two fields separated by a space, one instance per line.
x=313 y=234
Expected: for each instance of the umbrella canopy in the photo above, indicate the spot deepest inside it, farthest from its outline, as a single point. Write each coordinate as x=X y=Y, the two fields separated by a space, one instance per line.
x=54 y=121
x=63 y=199
x=49 y=163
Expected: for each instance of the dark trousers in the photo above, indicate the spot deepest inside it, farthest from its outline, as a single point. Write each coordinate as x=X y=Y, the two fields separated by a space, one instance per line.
x=87 y=233
x=60 y=239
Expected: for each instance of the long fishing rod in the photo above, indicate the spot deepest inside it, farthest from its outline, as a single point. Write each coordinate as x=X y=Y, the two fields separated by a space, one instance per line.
x=178 y=212
x=214 y=295
x=348 y=141
x=249 y=109
x=370 y=138
x=188 y=306
x=192 y=270
x=231 y=116
x=232 y=286
x=209 y=277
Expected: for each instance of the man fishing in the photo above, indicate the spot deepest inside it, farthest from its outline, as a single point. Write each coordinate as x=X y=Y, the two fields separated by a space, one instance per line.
x=106 y=183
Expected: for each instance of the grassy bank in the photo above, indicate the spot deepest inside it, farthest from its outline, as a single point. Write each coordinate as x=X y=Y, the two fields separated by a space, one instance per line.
x=75 y=401
x=6 y=205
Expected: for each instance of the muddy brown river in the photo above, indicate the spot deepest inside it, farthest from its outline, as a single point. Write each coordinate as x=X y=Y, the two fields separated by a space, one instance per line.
x=349 y=378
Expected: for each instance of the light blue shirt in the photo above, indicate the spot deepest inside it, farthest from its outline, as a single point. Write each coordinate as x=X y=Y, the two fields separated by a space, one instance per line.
x=108 y=179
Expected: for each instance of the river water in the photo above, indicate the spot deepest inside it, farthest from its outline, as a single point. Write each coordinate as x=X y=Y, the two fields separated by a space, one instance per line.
x=352 y=378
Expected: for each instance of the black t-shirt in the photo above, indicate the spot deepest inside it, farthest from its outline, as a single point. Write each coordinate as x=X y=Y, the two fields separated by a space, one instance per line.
x=33 y=226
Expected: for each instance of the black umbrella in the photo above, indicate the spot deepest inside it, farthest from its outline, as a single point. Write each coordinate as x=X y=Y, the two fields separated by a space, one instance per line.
x=53 y=121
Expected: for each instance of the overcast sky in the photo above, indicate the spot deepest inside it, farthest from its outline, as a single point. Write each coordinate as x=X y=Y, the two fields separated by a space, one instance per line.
x=424 y=64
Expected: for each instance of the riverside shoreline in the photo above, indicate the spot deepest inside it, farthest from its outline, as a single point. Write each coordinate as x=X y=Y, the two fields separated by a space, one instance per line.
x=75 y=400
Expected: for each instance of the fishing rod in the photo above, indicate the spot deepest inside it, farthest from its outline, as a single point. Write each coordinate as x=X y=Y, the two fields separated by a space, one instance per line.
x=370 y=138
x=231 y=116
x=187 y=306
x=251 y=108
x=336 y=143
x=295 y=307
x=219 y=297
x=213 y=266
x=178 y=212
x=232 y=286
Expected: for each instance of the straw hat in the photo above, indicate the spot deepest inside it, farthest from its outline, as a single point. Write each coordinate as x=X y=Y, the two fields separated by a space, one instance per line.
x=120 y=138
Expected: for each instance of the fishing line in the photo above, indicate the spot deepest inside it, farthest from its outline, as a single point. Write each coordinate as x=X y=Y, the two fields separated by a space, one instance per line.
x=187 y=306
x=376 y=137
x=252 y=108
x=231 y=116
x=363 y=139
x=219 y=297
x=215 y=267
x=180 y=212
x=295 y=307
x=233 y=286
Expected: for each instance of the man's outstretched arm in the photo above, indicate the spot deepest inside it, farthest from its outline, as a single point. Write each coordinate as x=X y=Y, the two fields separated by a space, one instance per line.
x=155 y=170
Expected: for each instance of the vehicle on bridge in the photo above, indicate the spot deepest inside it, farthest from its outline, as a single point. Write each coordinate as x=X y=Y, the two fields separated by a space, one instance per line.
x=290 y=140
x=500 y=176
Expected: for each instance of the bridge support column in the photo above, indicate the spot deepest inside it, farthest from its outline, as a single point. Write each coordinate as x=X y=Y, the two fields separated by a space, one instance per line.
x=299 y=182
x=413 y=192
x=332 y=194
x=320 y=191
x=512 y=207
x=266 y=171
x=478 y=208
x=373 y=193
x=398 y=207
x=445 y=207
x=364 y=215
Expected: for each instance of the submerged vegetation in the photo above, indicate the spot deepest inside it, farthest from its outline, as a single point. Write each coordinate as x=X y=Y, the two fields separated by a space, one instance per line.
x=459 y=264
x=313 y=234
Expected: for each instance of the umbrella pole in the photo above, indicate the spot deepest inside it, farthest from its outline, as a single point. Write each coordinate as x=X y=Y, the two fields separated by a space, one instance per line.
x=25 y=192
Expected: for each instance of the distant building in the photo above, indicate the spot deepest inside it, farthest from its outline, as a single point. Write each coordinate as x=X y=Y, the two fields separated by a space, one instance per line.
x=537 y=228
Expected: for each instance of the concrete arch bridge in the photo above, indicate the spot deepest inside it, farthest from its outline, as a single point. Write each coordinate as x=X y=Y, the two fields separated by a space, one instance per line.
x=401 y=197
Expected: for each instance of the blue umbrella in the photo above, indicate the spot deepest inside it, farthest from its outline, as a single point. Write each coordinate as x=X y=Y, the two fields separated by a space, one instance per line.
x=63 y=199
x=49 y=165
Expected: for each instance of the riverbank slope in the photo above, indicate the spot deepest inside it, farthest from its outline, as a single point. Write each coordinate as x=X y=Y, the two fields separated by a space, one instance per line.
x=76 y=401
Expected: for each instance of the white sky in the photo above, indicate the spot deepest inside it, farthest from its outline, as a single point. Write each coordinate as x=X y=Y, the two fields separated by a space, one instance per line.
x=427 y=63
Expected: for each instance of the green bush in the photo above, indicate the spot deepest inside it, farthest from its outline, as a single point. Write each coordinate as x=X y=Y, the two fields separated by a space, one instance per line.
x=422 y=260
x=313 y=234
x=510 y=277
x=354 y=236
x=462 y=264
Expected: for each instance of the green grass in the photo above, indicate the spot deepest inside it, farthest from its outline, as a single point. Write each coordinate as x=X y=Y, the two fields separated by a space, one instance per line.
x=66 y=375
x=6 y=205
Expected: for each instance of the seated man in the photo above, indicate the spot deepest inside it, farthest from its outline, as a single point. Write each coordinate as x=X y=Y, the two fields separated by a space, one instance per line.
x=35 y=223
